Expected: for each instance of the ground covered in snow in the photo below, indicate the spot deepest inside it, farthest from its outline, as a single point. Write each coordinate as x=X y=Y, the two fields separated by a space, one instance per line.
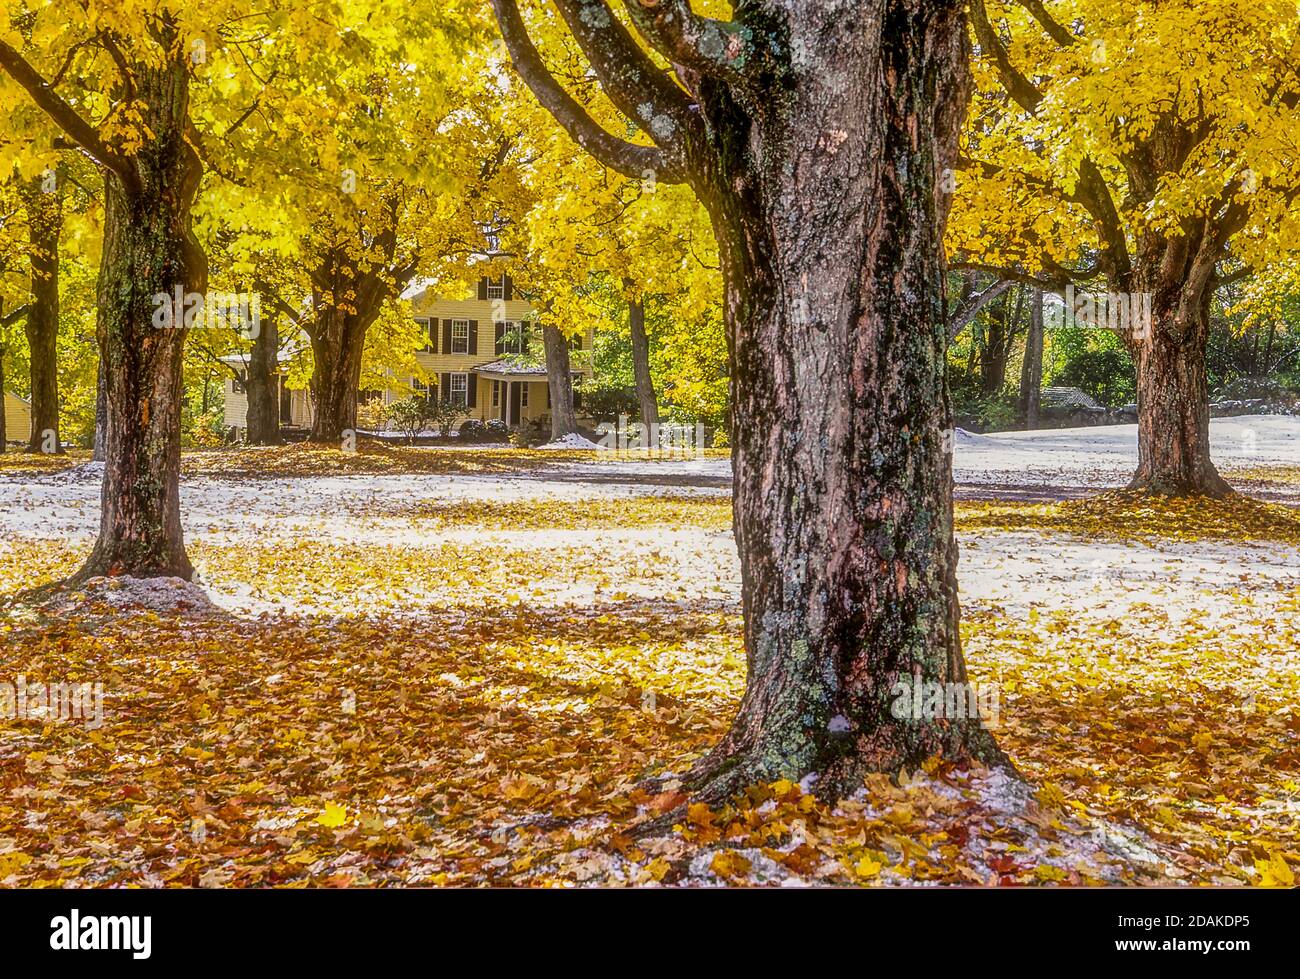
x=459 y=666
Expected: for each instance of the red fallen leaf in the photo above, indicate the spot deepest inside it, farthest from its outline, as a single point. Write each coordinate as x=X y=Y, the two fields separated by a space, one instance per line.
x=1005 y=881
x=668 y=801
x=959 y=834
x=132 y=792
x=1004 y=865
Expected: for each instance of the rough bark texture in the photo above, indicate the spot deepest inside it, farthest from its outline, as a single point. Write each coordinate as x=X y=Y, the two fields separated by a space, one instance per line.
x=338 y=340
x=826 y=203
x=559 y=378
x=347 y=297
x=817 y=136
x=44 y=223
x=1174 y=413
x=100 y=452
x=4 y=434
x=1178 y=273
x=1031 y=371
x=645 y=389
x=149 y=249
x=263 y=391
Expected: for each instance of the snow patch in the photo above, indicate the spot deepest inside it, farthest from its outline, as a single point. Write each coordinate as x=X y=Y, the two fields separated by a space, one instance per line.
x=571 y=441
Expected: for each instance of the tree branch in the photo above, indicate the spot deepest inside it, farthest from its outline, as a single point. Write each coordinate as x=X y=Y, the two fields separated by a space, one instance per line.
x=1054 y=30
x=972 y=307
x=629 y=76
x=62 y=114
x=720 y=49
x=626 y=158
x=1019 y=87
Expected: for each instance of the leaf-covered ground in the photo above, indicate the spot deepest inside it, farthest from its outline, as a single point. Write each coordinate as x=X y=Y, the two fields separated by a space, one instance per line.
x=465 y=674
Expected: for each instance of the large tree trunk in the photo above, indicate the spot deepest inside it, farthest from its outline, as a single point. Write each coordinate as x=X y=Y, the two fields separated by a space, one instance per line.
x=263 y=395
x=828 y=209
x=1176 y=277
x=1174 y=413
x=559 y=377
x=149 y=251
x=4 y=434
x=338 y=340
x=100 y=451
x=645 y=388
x=45 y=223
x=1031 y=372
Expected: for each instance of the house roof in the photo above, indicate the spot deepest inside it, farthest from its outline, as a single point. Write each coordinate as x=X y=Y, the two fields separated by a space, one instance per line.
x=514 y=368
x=1069 y=398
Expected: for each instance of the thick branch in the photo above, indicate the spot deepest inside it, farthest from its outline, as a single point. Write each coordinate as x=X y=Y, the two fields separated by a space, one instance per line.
x=62 y=114
x=628 y=75
x=720 y=49
x=972 y=307
x=1054 y=30
x=626 y=158
x=1017 y=85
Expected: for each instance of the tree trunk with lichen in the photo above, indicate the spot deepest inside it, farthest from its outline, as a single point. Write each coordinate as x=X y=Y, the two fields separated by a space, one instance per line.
x=559 y=379
x=818 y=136
x=828 y=209
x=263 y=421
x=149 y=250
x=647 y=402
x=45 y=222
x=1169 y=351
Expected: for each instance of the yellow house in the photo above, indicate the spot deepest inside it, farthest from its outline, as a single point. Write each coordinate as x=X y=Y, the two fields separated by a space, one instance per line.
x=474 y=356
x=18 y=418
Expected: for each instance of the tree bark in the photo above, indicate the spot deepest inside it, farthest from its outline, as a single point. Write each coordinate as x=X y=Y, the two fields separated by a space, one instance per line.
x=149 y=251
x=1176 y=275
x=818 y=136
x=263 y=398
x=44 y=223
x=338 y=340
x=100 y=451
x=645 y=389
x=1031 y=373
x=4 y=434
x=559 y=377
x=1174 y=413
x=827 y=207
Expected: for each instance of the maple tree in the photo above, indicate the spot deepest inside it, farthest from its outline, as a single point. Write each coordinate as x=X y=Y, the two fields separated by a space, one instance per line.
x=832 y=386
x=1147 y=147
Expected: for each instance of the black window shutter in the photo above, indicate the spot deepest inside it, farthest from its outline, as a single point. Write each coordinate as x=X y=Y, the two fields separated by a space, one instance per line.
x=445 y=384
x=524 y=328
x=433 y=335
x=509 y=287
x=471 y=384
x=473 y=337
x=446 y=336
x=501 y=338
x=482 y=287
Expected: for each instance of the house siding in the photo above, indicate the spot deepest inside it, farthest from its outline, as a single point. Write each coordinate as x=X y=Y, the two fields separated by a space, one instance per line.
x=18 y=418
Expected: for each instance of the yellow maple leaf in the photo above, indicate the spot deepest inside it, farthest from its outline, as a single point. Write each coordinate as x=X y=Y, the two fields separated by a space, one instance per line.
x=333 y=816
x=1275 y=872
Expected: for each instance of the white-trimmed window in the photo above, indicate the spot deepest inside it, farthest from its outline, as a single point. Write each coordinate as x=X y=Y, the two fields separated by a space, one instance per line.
x=523 y=394
x=460 y=336
x=496 y=288
x=430 y=341
x=512 y=337
x=420 y=389
x=496 y=394
x=460 y=389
